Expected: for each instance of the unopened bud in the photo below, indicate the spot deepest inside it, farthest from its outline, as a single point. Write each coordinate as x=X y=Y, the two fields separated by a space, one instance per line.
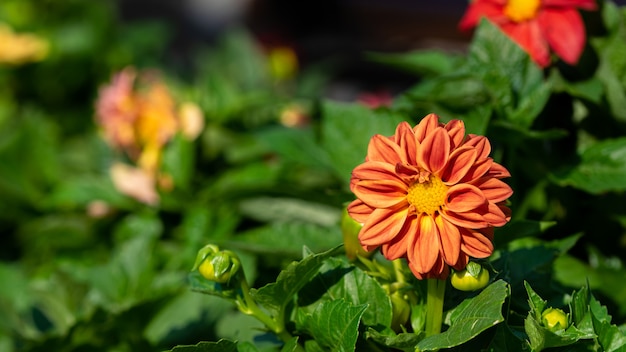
x=554 y=319
x=472 y=278
x=350 y=230
x=217 y=265
x=401 y=311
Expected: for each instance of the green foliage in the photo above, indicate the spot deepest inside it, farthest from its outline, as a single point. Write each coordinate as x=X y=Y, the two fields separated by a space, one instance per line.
x=86 y=266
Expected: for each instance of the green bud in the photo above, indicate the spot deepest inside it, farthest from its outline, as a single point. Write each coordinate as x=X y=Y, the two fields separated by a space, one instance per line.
x=350 y=230
x=554 y=319
x=472 y=278
x=217 y=265
x=401 y=311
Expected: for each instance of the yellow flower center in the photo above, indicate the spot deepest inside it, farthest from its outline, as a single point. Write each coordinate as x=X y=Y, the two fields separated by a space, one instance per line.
x=428 y=196
x=521 y=10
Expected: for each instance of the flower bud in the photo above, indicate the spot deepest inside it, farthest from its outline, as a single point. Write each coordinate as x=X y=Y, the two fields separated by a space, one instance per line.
x=401 y=311
x=472 y=278
x=350 y=229
x=554 y=319
x=191 y=120
x=217 y=265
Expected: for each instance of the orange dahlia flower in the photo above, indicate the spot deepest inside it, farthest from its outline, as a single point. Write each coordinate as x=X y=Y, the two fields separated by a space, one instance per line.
x=430 y=194
x=536 y=25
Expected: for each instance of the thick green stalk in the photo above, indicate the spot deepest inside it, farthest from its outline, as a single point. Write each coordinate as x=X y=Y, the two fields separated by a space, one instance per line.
x=434 y=306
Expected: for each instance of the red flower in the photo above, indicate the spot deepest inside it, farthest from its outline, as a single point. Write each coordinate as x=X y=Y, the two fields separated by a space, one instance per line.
x=431 y=195
x=536 y=25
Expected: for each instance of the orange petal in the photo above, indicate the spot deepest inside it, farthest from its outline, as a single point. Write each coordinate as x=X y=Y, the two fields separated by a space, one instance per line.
x=405 y=138
x=459 y=163
x=434 y=150
x=482 y=145
x=384 y=149
x=426 y=126
x=464 y=197
x=382 y=226
x=450 y=240
x=375 y=170
x=496 y=216
x=397 y=247
x=498 y=171
x=471 y=220
x=359 y=211
x=456 y=130
x=424 y=250
x=381 y=193
x=495 y=190
x=475 y=244
x=480 y=168
x=462 y=262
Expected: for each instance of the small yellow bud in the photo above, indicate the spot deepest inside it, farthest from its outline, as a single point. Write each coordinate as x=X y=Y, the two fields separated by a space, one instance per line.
x=217 y=265
x=554 y=319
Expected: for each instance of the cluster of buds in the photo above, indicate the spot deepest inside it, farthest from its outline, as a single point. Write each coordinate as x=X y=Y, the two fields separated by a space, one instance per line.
x=138 y=115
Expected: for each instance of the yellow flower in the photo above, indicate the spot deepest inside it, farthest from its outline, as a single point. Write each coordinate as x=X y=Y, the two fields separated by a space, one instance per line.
x=17 y=49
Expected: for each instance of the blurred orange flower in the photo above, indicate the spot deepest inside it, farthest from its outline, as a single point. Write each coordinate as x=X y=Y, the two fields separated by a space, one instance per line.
x=536 y=25
x=430 y=194
x=138 y=115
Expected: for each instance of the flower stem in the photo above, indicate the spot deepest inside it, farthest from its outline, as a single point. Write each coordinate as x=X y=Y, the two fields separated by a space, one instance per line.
x=397 y=266
x=434 y=306
x=248 y=306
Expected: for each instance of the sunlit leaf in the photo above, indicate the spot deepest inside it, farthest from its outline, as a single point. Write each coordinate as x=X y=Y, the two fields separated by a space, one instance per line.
x=479 y=314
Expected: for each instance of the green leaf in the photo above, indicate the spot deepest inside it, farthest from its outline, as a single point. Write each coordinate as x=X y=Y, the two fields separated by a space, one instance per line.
x=341 y=280
x=573 y=272
x=402 y=341
x=518 y=229
x=515 y=82
x=479 y=314
x=602 y=168
x=505 y=339
x=334 y=324
x=346 y=131
x=81 y=190
x=275 y=296
x=456 y=91
x=291 y=345
x=419 y=62
x=181 y=313
x=611 y=48
x=178 y=161
x=290 y=209
x=609 y=336
x=286 y=238
x=219 y=346
x=296 y=145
